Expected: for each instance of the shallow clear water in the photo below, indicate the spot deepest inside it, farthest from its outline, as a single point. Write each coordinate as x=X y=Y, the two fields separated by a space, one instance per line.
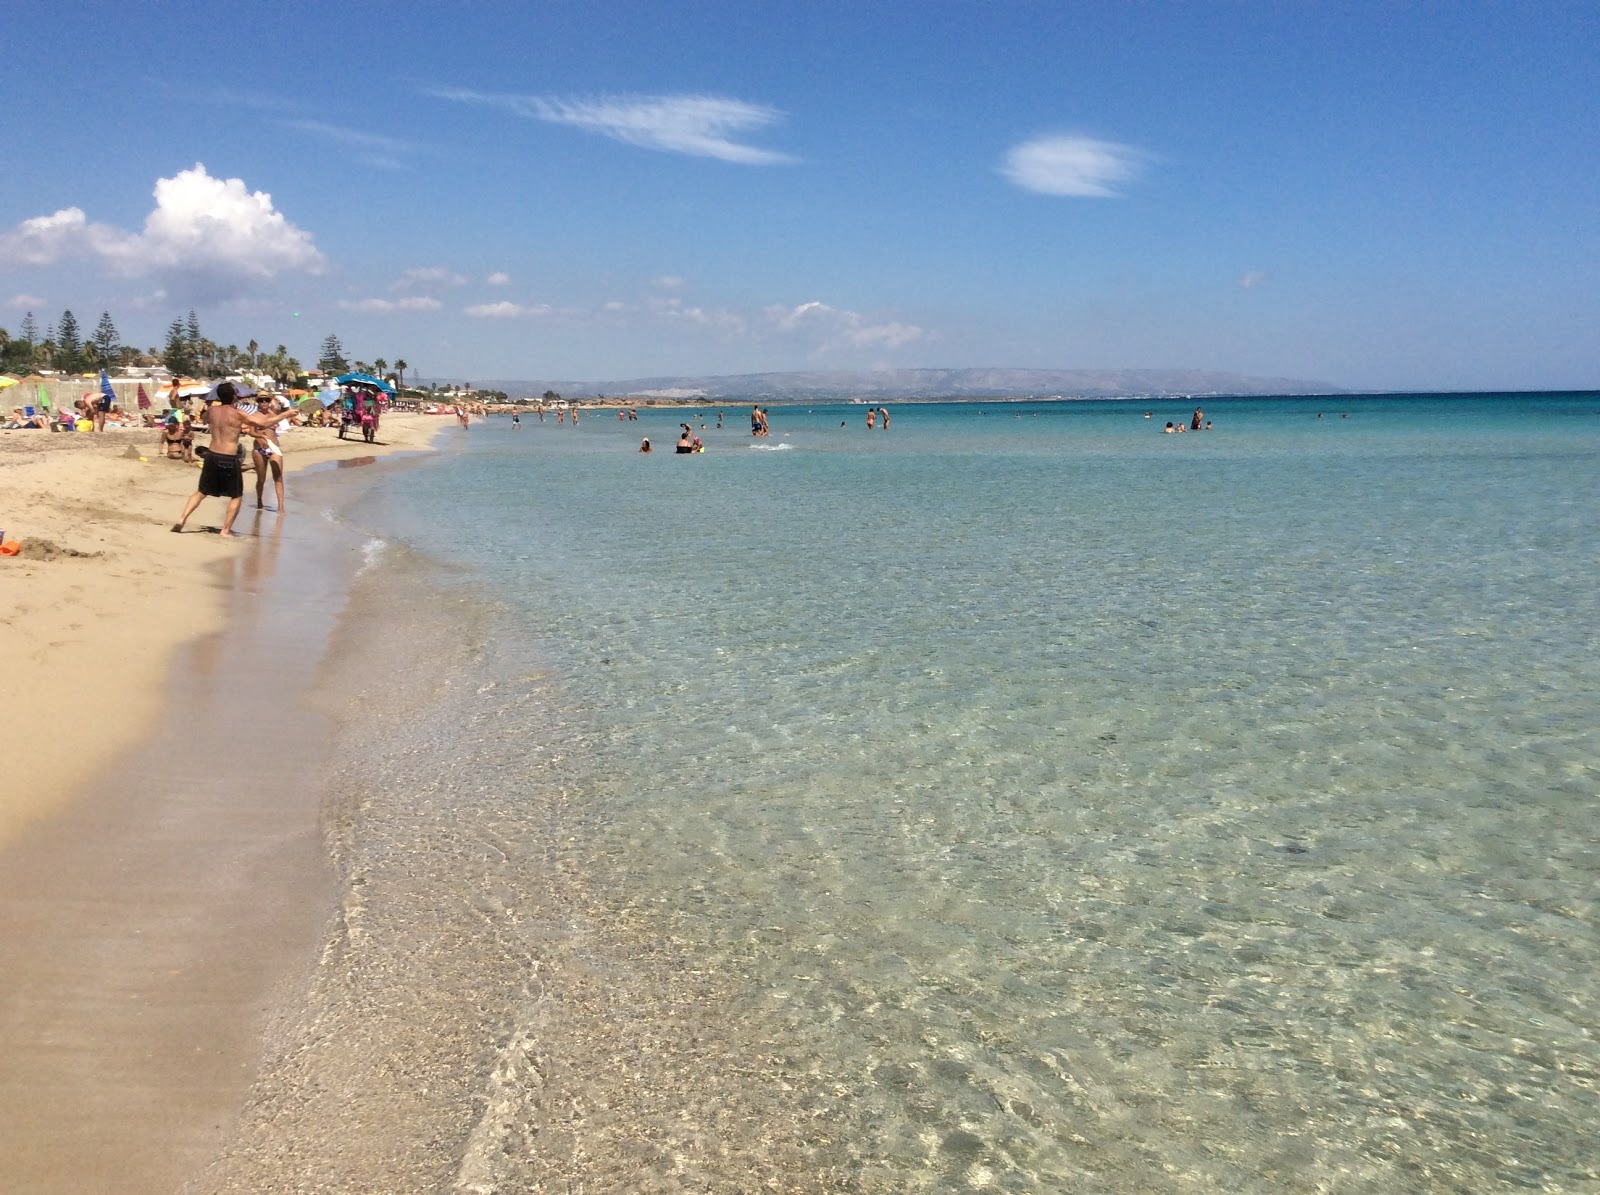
x=1023 y=799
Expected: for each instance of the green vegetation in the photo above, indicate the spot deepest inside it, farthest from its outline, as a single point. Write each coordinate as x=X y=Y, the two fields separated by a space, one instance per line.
x=186 y=352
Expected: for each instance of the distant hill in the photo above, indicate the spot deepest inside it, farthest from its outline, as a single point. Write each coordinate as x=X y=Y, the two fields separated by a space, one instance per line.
x=839 y=385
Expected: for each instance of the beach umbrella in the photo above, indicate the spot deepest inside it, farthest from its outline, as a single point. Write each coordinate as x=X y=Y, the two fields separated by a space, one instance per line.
x=5 y=381
x=328 y=397
x=240 y=390
x=364 y=379
x=144 y=399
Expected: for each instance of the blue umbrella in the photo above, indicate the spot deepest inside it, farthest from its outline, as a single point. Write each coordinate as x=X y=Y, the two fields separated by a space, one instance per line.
x=364 y=379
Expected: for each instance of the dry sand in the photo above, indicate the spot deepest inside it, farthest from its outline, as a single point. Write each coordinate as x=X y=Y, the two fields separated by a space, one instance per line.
x=150 y=906
x=103 y=593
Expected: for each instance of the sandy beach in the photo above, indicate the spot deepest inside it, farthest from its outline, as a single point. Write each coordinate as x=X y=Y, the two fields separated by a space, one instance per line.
x=150 y=902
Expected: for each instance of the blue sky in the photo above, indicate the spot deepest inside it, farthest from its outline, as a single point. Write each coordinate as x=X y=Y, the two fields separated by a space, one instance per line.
x=1379 y=196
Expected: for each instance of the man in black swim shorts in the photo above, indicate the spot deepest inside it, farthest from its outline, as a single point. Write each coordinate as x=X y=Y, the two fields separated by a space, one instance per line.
x=221 y=474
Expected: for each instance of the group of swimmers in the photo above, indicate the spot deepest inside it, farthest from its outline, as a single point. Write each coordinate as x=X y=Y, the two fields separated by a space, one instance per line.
x=1196 y=423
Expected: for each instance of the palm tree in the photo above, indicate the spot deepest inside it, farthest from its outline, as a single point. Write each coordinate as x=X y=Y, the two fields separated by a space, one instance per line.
x=252 y=348
x=400 y=368
x=379 y=365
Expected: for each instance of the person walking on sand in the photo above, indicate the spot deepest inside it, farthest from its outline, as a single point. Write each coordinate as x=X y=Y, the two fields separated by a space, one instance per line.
x=222 y=474
x=268 y=456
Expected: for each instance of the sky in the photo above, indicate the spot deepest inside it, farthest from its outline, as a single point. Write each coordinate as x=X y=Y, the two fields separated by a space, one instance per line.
x=1377 y=196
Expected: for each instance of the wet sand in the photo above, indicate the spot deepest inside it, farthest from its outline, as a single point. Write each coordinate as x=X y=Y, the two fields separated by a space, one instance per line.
x=161 y=884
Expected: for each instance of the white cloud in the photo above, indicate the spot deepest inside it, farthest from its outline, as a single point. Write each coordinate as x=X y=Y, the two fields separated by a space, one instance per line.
x=498 y=278
x=1077 y=166
x=508 y=310
x=701 y=125
x=44 y=240
x=428 y=276
x=839 y=326
x=389 y=306
x=24 y=302
x=719 y=320
x=892 y=335
x=373 y=149
x=1254 y=279
x=210 y=236
x=667 y=282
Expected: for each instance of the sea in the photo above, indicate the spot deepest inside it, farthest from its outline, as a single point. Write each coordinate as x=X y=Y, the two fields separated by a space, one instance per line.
x=1016 y=798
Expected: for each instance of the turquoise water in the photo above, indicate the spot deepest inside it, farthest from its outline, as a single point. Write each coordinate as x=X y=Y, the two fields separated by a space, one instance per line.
x=1018 y=799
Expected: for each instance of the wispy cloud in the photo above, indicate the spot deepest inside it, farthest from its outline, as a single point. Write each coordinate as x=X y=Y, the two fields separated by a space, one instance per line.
x=843 y=327
x=427 y=276
x=207 y=238
x=508 y=310
x=1077 y=166
x=499 y=278
x=1254 y=279
x=700 y=125
x=373 y=149
x=719 y=320
x=24 y=302
x=390 y=306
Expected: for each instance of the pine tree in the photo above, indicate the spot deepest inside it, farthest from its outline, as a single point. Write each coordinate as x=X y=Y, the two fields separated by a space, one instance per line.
x=69 y=343
x=105 y=340
x=332 y=359
x=177 y=355
x=30 y=329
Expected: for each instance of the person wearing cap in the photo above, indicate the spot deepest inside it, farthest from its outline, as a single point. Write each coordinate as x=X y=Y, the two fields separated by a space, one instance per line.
x=222 y=473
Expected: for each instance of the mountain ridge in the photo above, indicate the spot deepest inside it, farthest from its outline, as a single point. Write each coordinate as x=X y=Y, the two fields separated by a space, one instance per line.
x=978 y=382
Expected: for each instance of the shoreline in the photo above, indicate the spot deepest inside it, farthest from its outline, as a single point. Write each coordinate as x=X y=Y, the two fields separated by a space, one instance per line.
x=103 y=590
x=153 y=903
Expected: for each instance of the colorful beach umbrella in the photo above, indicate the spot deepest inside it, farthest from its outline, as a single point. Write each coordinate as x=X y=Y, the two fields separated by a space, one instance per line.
x=5 y=381
x=144 y=399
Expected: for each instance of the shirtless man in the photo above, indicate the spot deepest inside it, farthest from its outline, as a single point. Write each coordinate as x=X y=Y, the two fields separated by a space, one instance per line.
x=221 y=476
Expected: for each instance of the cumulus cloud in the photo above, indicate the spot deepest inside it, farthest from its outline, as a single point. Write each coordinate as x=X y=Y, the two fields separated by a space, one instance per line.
x=428 y=276
x=701 y=125
x=1254 y=279
x=390 y=306
x=1076 y=166
x=508 y=310
x=499 y=278
x=24 y=302
x=210 y=236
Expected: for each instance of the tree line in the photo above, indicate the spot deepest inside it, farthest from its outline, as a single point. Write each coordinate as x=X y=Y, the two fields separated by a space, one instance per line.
x=62 y=346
